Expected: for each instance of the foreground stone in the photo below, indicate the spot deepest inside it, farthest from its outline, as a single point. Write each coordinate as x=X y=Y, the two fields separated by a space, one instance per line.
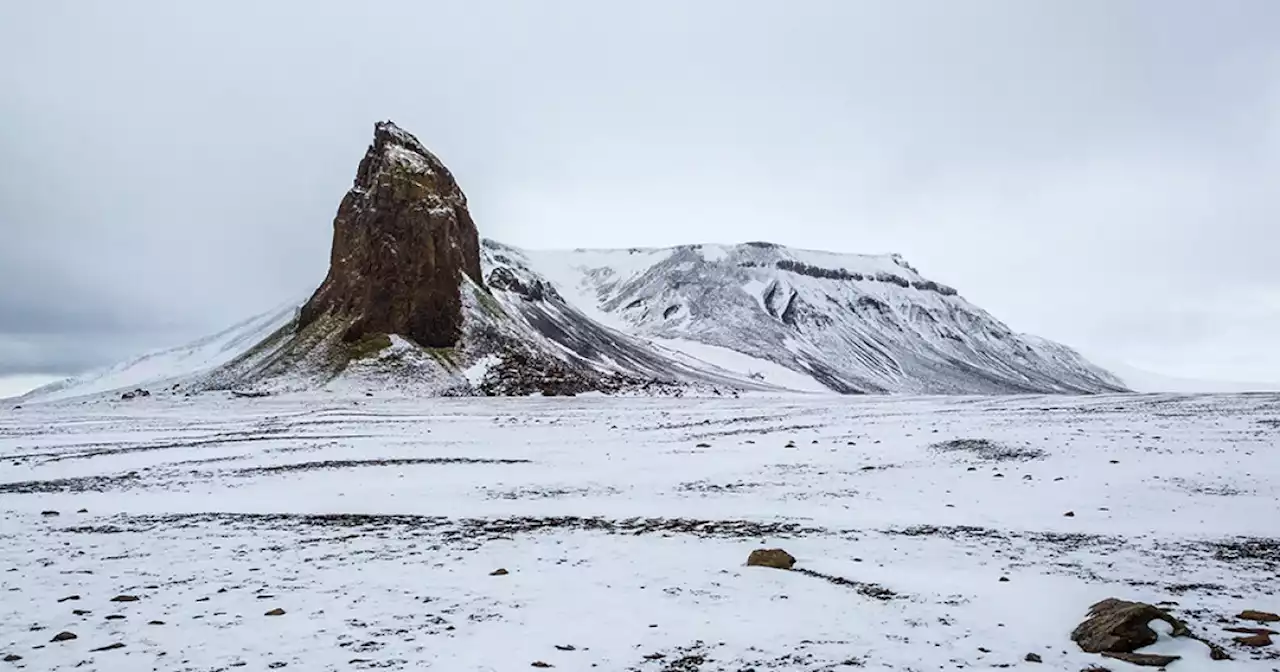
x=1143 y=659
x=1258 y=639
x=1116 y=626
x=771 y=557
x=1258 y=616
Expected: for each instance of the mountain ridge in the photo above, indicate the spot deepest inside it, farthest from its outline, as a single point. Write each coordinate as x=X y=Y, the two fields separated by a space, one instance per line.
x=415 y=300
x=698 y=350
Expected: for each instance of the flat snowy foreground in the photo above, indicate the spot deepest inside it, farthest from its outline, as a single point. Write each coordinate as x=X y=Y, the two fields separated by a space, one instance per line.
x=624 y=526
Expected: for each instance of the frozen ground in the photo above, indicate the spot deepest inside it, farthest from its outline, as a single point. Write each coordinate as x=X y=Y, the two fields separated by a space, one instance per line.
x=624 y=524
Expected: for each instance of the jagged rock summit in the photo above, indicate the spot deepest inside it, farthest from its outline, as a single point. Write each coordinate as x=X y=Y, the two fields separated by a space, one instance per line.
x=402 y=239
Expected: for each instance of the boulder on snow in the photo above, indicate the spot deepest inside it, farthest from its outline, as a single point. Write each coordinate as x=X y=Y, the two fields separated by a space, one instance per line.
x=1143 y=659
x=771 y=557
x=1119 y=626
x=1258 y=616
x=1256 y=639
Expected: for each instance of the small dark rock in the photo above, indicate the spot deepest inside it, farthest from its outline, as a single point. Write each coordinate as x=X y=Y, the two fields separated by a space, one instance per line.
x=1253 y=631
x=109 y=647
x=1143 y=659
x=275 y=612
x=566 y=647
x=1258 y=616
x=115 y=617
x=63 y=636
x=703 y=445
x=771 y=557
x=1033 y=658
x=1069 y=514
x=81 y=612
x=125 y=598
x=49 y=514
x=155 y=622
x=69 y=598
x=1255 y=640
x=1004 y=579
x=13 y=657
x=539 y=663
x=499 y=572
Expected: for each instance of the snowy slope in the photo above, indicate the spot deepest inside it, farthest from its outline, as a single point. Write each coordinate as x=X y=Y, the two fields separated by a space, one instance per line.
x=173 y=364
x=624 y=525
x=1142 y=380
x=854 y=323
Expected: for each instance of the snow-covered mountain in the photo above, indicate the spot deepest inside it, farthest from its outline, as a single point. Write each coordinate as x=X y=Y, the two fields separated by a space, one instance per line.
x=755 y=316
x=1142 y=380
x=849 y=323
x=415 y=300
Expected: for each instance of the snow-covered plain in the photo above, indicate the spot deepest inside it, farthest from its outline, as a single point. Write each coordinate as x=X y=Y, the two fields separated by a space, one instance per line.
x=374 y=524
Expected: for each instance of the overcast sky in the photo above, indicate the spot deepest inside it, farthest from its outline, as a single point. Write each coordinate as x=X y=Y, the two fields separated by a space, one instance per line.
x=1104 y=173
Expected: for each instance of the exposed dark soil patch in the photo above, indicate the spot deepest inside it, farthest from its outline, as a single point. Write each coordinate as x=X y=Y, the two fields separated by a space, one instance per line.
x=351 y=464
x=985 y=449
x=872 y=590
x=469 y=528
x=1258 y=552
x=213 y=440
x=717 y=488
x=549 y=493
x=80 y=484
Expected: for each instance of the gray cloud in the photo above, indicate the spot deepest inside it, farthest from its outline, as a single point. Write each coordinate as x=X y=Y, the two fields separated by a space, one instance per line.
x=1099 y=172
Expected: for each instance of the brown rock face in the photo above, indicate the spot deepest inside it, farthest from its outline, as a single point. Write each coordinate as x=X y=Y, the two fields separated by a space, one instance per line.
x=402 y=240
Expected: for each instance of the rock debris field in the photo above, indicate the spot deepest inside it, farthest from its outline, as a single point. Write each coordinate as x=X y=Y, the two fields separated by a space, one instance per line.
x=594 y=533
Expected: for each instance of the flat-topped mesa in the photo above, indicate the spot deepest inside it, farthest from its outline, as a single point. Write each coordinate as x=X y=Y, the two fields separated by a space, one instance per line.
x=402 y=239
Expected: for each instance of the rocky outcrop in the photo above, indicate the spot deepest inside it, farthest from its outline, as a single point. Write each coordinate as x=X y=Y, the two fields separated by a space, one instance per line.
x=402 y=242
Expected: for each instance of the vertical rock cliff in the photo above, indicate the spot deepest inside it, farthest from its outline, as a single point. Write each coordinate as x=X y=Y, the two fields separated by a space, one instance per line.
x=402 y=240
